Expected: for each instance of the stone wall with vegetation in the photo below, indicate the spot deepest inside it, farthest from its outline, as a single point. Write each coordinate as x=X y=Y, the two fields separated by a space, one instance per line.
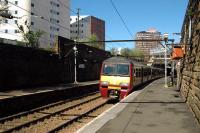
x=190 y=64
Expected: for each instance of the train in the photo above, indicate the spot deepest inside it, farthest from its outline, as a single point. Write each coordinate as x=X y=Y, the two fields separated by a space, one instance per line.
x=120 y=76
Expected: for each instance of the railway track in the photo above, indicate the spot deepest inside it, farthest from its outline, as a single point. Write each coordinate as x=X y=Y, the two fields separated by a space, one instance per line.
x=53 y=117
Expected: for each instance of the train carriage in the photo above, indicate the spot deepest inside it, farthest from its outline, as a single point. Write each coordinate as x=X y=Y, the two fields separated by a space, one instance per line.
x=119 y=76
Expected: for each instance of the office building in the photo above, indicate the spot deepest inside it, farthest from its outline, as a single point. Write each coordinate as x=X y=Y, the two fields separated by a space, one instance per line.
x=146 y=46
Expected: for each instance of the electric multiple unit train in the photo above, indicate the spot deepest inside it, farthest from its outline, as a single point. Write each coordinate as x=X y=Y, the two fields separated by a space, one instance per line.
x=120 y=75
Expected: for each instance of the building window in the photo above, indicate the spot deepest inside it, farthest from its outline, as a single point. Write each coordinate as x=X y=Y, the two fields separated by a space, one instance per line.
x=15 y=21
x=6 y=21
x=16 y=31
x=32 y=5
x=32 y=13
x=6 y=31
x=16 y=2
x=16 y=12
x=32 y=23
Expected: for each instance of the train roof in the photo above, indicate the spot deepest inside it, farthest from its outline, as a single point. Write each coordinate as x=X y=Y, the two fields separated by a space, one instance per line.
x=120 y=59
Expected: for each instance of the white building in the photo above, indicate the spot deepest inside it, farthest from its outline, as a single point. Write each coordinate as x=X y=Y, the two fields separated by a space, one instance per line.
x=157 y=56
x=50 y=16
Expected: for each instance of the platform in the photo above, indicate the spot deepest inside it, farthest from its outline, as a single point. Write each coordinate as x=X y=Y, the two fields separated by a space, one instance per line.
x=154 y=109
x=34 y=90
x=22 y=100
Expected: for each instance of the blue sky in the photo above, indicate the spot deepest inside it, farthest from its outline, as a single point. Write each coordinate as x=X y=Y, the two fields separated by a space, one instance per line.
x=139 y=15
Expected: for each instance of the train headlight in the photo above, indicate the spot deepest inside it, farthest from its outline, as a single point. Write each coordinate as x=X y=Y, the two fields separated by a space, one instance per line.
x=124 y=85
x=104 y=83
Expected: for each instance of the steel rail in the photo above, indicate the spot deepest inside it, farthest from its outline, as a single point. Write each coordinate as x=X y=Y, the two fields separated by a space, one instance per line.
x=8 y=118
x=47 y=116
x=66 y=123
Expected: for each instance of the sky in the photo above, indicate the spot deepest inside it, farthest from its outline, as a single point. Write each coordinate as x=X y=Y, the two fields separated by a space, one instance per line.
x=139 y=15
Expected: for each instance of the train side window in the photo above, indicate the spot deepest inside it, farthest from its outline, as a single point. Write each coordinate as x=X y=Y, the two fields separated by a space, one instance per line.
x=136 y=71
x=139 y=72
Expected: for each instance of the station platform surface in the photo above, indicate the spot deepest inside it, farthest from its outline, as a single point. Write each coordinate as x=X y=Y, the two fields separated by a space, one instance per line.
x=154 y=109
x=34 y=90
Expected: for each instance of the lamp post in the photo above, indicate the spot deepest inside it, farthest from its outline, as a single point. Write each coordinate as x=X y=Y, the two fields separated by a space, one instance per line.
x=76 y=51
x=166 y=40
x=75 y=64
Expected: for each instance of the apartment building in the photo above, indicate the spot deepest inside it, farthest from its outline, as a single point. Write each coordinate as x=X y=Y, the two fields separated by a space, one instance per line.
x=88 y=26
x=145 y=46
x=50 y=16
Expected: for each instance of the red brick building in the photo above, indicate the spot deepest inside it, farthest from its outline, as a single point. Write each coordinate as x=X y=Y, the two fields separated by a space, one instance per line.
x=88 y=25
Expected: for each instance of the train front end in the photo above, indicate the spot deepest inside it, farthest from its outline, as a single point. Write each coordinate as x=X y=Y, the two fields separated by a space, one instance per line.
x=115 y=80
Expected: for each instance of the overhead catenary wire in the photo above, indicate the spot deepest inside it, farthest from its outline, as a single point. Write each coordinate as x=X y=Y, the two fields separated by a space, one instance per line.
x=112 y=3
x=111 y=41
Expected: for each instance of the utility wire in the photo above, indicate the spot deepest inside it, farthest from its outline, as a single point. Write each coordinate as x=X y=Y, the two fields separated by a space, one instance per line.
x=45 y=18
x=112 y=3
x=40 y=16
x=67 y=7
x=19 y=35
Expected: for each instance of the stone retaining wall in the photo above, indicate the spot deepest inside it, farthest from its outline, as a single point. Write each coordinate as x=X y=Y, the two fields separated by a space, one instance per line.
x=190 y=64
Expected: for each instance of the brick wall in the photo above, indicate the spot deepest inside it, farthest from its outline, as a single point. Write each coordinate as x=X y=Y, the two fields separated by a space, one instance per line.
x=190 y=64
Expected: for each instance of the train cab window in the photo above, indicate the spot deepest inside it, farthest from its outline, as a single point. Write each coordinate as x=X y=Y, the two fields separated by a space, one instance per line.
x=109 y=69
x=122 y=69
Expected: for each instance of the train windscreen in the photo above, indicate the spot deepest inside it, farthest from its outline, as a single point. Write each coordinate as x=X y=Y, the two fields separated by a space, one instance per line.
x=115 y=69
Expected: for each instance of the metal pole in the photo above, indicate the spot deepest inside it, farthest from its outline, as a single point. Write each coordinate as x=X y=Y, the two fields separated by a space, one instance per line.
x=78 y=24
x=172 y=65
x=75 y=71
x=166 y=40
x=165 y=65
x=172 y=72
x=75 y=51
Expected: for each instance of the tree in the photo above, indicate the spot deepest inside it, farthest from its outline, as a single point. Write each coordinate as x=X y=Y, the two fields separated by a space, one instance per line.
x=30 y=37
x=137 y=53
x=126 y=52
x=132 y=53
x=4 y=12
x=92 y=39
x=113 y=51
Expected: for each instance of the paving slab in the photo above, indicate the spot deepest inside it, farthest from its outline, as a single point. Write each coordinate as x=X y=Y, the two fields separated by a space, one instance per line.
x=155 y=109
